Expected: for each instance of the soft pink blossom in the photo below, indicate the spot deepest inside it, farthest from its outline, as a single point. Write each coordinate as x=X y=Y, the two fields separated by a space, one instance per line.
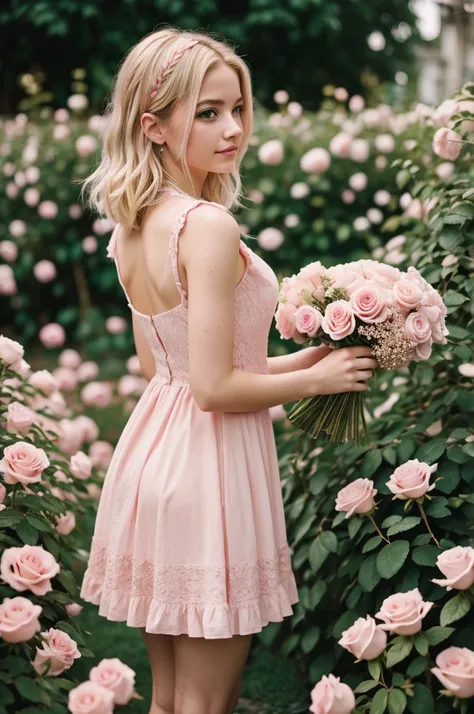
x=447 y=144
x=339 y=320
x=358 y=181
x=11 y=352
x=356 y=103
x=445 y=170
x=407 y=295
x=19 y=619
x=308 y=320
x=80 y=466
x=455 y=670
x=364 y=639
x=382 y=198
x=300 y=189
x=29 y=568
x=86 y=145
x=88 y=428
x=330 y=696
x=412 y=479
x=369 y=304
x=115 y=676
x=73 y=609
x=100 y=453
x=360 y=150
x=315 y=161
x=116 y=325
x=66 y=379
x=281 y=96
x=285 y=320
x=90 y=698
x=340 y=145
x=270 y=238
x=97 y=394
x=70 y=437
x=65 y=523
x=61 y=115
x=385 y=143
x=3 y=493
x=340 y=94
x=403 y=613
x=48 y=210
x=87 y=371
x=357 y=497
x=44 y=271
x=348 y=196
x=58 y=649
x=19 y=418
x=43 y=380
x=52 y=335
x=8 y=250
x=70 y=359
x=457 y=564
x=466 y=369
x=295 y=110
x=271 y=153
x=417 y=328
x=23 y=463
x=89 y=244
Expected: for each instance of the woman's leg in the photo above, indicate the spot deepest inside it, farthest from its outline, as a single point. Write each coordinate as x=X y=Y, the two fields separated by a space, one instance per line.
x=161 y=656
x=207 y=671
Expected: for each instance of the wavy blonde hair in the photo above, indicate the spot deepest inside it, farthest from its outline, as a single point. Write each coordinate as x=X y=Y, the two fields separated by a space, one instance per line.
x=130 y=176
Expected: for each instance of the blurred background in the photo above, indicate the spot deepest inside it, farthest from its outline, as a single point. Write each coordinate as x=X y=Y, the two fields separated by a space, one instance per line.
x=345 y=92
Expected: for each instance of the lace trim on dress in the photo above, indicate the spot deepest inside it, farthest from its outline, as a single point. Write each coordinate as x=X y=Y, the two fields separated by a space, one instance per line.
x=190 y=584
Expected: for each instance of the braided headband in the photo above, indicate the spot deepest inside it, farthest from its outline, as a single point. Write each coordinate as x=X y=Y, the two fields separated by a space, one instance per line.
x=171 y=62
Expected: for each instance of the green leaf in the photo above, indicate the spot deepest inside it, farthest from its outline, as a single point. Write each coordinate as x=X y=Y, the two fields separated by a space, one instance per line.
x=405 y=525
x=375 y=668
x=432 y=450
x=421 y=644
x=425 y=555
x=9 y=517
x=368 y=574
x=66 y=578
x=329 y=541
x=454 y=299
x=406 y=449
x=422 y=700
x=397 y=701
x=27 y=532
x=391 y=558
x=371 y=544
x=391 y=520
x=454 y=609
x=399 y=651
x=371 y=463
x=29 y=689
x=40 y=523
x=417 y=667
x=438 y=634
x=317 y=593
x=310 y=639
x=355 y=524
x=379 y=702
x=317 y=555
x=365 y=686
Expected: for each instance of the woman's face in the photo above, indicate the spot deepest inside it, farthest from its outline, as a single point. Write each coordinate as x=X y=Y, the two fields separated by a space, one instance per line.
x=217 y=125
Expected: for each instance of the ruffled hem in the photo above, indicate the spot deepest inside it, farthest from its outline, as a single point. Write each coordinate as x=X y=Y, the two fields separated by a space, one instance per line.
x=216 y=621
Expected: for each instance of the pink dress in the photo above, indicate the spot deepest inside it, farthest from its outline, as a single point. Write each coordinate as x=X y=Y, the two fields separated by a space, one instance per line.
x=190 y=536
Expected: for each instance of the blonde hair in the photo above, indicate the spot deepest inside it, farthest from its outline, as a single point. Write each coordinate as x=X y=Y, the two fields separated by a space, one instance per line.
x=130 y=176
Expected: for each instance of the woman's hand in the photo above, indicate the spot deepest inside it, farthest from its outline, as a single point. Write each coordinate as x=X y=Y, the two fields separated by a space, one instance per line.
x=313 y=355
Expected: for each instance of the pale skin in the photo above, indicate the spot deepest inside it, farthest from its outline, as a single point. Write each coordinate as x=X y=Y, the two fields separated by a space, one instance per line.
x=195 y=675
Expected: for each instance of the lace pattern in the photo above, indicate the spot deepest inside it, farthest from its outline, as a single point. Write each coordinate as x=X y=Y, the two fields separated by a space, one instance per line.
x=190 y=584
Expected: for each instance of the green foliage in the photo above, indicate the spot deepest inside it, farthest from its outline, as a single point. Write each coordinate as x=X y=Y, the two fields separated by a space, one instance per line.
x=287 y=45
x=431 y=421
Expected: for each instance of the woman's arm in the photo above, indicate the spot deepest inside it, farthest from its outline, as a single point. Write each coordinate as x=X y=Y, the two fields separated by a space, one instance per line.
x=303 y=359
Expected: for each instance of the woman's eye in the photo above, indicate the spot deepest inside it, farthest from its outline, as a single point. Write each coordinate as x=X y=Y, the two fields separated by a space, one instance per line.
x=205 y=113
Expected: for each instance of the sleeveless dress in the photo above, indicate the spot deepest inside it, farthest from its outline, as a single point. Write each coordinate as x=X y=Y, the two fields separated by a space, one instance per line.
x=190 y=535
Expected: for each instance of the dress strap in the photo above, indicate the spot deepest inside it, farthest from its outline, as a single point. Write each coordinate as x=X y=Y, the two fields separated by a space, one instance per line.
x=173 y=244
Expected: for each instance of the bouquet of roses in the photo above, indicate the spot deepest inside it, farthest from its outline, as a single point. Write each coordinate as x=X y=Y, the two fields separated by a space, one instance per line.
x=399 y=314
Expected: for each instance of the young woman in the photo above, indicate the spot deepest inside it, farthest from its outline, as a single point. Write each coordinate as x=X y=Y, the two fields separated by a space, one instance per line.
x=190 y=540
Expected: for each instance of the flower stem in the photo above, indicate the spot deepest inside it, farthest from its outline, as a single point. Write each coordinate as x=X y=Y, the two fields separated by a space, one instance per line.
x=423 y=515
x=378 y=530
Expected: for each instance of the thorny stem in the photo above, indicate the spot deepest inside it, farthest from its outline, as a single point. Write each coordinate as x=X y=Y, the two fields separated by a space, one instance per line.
x=423 y=515
x=378 y=530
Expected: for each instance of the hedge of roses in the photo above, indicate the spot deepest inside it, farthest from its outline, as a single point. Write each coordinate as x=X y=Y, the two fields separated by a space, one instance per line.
x=315 y=183
x=382 y=533
x=48 y=484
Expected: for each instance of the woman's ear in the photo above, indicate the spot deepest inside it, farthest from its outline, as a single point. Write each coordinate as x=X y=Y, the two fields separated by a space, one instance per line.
x=151 y=128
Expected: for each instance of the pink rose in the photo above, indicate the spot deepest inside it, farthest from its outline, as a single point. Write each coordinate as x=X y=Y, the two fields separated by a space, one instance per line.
x=48 y=210
x=74 y=609
x=44 y=381
x=3 y=493
x=8 y=250
x=315 y=161
x=357 y=497
x=97 y=394
x=70 y=359
x=66 y=522
x=455 y=671
x=70 y=437
x=447 y=144
x=28 y=568
x=88 y=428
x=365 y=639
x=403 y=612
x=19 y=619
x=346 y=276
x=115 y=325
x=19 y=418
x=270 y=238
x=58 y=649
x=285 y=320
x=89 y=244
x=417 y=328
x=66 y=379
x=115 y=676
x=407 y=295
x=100 y=453
x=52 y=335
x=271 y=153
x=86 y=145
x=44 y=271
x=340 y=145
x=23 y=463
x=133 y=365
x=308 y=320
x=330 y=696
x=358 y=181
x=348 y=196
x=87 y=371
x=356 y=103
x=339 y=320
x=11 y=352
x=411 y=479
x=369 y=304
x=81 y=466
x=90 y=698
x=458 y=566
x=360 y=150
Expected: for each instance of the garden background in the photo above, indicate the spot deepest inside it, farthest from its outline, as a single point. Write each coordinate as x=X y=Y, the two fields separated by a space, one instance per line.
x=340 y=167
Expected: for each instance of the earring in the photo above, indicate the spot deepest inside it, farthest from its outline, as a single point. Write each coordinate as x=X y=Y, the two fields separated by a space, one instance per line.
x=161 y=150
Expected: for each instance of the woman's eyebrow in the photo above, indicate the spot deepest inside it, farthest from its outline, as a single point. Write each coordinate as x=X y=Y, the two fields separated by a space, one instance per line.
x=219 y=102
